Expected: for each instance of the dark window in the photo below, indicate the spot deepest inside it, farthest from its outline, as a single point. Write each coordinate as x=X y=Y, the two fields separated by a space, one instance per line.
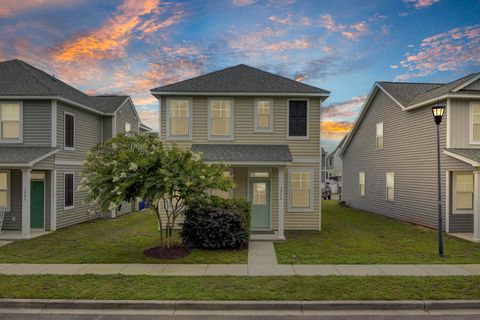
x=68 y=189
x=69 y=131
x=297 y=122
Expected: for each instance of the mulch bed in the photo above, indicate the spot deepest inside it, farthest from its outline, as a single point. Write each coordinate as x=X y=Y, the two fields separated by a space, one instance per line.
x=167 y=253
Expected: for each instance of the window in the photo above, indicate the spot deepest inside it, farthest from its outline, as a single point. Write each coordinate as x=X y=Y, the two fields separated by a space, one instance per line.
x=221 y=193
x=10 y=121
x=463 y=191
x=475 y=122
x=380 y=136
x=69 y=131
x=361 y=183
x=259 y=174
x=68 y=195
x=297 y=118
x=4 y=190
x=390 y=186
x=179 y=118
x=220 y=119
x=263 y=115
x=128 y=127
x=300 y=190
x=259 y=193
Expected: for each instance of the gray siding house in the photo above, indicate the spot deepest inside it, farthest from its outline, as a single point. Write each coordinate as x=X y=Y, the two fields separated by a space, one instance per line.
x=389 y=158
x=46 y=129
x=266 y=128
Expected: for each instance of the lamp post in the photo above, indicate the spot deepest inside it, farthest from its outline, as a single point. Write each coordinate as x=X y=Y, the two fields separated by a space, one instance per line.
x=438 y=111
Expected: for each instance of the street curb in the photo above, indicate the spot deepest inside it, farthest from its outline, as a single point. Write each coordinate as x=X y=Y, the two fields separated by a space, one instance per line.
x=185 y=305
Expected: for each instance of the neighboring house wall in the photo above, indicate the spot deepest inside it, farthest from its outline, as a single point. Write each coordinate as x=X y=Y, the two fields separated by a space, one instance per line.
x=460 y=124
x=473 y=86
x=409 y=151
x=107 y=127
x=126 y=114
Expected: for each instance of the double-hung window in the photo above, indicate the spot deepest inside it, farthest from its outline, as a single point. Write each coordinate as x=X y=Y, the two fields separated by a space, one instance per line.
x=68 y=190
x=179 y=118
x=69 y=131
x=263 y=114
x=4 y=190
x=475 y=123
x=10 y=121
x=301 y=190
x=463 y=191
x=361 y=183
x=379 y=135
x=297 y=119
x=220 y=121
x=390 y=176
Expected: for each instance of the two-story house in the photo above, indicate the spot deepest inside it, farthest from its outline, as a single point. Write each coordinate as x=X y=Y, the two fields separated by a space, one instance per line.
x=389 y=158
x=265 y=127
x=46 y=129
x=333 y=164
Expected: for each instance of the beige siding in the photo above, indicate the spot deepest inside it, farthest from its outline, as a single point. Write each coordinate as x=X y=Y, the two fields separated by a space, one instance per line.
x=460 y=124
x=473 y=86
x=126 y=114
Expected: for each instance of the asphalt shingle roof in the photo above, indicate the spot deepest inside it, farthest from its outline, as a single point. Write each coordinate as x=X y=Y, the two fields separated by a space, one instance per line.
x=22 y=155
x=18 y=78
x=241 y=78
x=472 y=154
x=243 y=152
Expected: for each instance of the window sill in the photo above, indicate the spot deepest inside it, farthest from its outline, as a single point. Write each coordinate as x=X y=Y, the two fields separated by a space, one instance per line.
x=298 y=137
x=68 y=149
x=462 y=212
x=263 y=131
x=220 y=138
x=306 y=210
x=68 y=208
x=182 y=138
x=10 y=141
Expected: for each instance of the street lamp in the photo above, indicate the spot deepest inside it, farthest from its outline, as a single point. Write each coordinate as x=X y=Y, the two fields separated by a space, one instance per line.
x=438 y=111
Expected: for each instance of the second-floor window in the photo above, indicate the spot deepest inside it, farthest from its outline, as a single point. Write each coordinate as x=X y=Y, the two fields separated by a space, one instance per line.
x=69 y=131
x=179 y=118
x=297 y=118
x=263 y=115
x=220 y=119
x=10 y=121
x=379 y=136
x=475 y=122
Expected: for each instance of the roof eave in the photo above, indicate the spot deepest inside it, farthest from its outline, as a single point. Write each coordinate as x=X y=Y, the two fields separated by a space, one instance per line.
x=233 y=93
x=442 y=97
x=462 y=158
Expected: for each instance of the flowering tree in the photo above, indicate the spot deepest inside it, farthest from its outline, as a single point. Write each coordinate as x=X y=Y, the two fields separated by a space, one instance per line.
x=135 y=166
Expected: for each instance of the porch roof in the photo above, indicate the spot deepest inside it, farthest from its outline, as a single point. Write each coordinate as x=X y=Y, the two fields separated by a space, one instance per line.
x=24 y=156
x=261 y=153
x=471 y=156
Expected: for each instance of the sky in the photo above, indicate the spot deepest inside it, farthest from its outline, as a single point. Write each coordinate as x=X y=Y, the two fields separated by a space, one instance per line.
x=344 y=46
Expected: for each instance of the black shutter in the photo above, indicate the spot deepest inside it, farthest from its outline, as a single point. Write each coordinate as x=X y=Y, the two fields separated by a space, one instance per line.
x=297 y=121
x=68 y=190
x=69 y=131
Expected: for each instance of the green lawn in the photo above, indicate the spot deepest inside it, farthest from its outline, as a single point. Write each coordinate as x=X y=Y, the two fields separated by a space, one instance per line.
x=121 y=240
x=352 y=236
x=118 y=287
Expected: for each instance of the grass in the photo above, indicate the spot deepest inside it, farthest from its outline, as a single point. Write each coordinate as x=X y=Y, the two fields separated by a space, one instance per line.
x=118 y=287
x=121 y=240
x=352 y=236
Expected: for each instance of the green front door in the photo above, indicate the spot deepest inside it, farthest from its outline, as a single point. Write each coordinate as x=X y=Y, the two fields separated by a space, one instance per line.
x=260 y=199
x=37 y=204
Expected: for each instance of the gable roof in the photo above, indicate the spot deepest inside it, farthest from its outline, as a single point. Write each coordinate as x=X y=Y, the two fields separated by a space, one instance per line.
x=240 y=79
x=18 y=78
x=243 y=152
x=24 y=155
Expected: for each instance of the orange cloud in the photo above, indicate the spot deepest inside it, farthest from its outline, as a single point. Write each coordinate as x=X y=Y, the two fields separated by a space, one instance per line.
x=243 y=3
x=149 y=117
x=285 y=45
x=331 y=130
x=421 y=4
x=343 y=109
x=351 y=32
x=11 y=7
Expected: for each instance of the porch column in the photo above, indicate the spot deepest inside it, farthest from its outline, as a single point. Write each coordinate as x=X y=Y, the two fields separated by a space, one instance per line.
x=53 y=200
x=26 y=202
x=476 y=205
x=281 y=203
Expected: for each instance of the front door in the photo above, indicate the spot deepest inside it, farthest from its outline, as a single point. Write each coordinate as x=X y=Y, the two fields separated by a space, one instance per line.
x=260 y=199
x=37 y=205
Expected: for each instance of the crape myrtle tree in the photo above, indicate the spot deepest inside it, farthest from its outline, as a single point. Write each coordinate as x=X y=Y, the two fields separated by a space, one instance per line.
x=135 y=166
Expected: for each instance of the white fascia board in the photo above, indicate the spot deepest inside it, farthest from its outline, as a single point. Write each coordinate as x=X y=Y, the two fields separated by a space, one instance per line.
x=466 y=83
x=51 y=153
x=443 y=97
x=133 y=106
x=251 y=163
x=229 y=94
x=462 y=158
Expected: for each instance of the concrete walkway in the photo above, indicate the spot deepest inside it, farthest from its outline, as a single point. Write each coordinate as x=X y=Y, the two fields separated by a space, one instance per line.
x=242 y=269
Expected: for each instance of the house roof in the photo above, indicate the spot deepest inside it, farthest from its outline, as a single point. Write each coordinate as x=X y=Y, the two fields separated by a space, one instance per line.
x=243 y=152
x=241 y=79
x=145 y=127
x=18 y=78
x=471 y=156
x=21 y=155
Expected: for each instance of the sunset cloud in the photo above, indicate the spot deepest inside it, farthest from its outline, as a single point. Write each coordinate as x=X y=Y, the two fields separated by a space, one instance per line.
x=331 y=130
x=421 y=4
x=12 y=7
x=343 y=109
x=243 y=3
x=149 y=117
x=351 y=32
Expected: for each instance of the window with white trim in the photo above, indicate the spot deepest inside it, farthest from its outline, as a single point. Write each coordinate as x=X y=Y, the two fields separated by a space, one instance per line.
x=179 y=118
x=300 y=190
x=221 y=193
x=220 y=118
x=379 y=136
x=4 y=189
x=463 y=191
x=475 y=122
x=263 y=115
x=128 y=127
x=10 y=121
x=361 y=183
x=68 y=190
x=390 y=176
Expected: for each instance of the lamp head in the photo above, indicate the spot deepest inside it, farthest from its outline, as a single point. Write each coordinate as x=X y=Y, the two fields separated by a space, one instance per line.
x=438 y=111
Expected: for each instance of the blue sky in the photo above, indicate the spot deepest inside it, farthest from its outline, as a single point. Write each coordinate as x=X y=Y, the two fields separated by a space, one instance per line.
x=131 y=46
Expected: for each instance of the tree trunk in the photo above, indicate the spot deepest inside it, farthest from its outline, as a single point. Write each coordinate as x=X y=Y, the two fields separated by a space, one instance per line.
x=157 y=211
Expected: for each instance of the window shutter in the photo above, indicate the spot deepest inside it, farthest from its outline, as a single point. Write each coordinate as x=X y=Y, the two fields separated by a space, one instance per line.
x=69 y=131
x=68 y=190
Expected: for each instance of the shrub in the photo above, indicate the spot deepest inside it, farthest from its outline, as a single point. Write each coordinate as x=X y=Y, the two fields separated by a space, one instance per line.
x=217 y=223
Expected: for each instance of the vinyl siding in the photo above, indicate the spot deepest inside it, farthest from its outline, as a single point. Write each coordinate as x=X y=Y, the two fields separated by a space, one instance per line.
x=126 y=114
x=15 y=202
x=409 y=152
x=107 y=127
x=473 y=86
x=460 y=124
